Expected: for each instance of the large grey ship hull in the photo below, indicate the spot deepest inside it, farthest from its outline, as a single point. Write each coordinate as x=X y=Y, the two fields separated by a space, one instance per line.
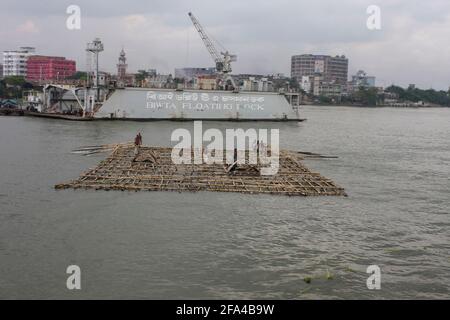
x=166 y=104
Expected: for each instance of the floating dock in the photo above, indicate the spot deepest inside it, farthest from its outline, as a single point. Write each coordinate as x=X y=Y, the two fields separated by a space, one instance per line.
x=153 y=170
x=56 y=116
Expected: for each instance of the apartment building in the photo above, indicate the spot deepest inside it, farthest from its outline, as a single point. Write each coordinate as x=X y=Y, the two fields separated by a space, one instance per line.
x=332 y=69
x=15 y=61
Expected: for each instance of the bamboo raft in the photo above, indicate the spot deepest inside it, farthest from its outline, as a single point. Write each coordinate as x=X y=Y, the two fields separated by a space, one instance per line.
x=153 y=170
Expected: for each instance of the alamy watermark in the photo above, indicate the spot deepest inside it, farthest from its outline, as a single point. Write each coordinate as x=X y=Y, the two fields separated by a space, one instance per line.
x=74 y=280
x=73 y=21
x=374 y=20
x=374 y=280
x=241 y=146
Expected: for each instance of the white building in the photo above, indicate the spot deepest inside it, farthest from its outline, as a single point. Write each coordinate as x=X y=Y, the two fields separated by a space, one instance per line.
x=326 y=88
x=190 y=73
x=15 y=61
x=158 y=81
x=103 y=78
x=278 y=76
x=253 y=84
x=361 y=79
x=306 y=83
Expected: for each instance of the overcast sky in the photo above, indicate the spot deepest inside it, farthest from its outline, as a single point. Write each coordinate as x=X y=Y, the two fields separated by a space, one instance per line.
x=413 y=45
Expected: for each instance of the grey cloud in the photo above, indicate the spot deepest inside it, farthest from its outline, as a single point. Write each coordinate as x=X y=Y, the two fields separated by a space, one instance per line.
x=265 y=33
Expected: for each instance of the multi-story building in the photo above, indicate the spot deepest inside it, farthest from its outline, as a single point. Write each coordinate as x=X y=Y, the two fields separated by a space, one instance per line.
x=158 y=81
x=208 y=82
x=278 y=76
x=152 y=72
x=15 y=61
x=332 y=69
x=321 y=87
x=1 y=71
x=190 y=73
x=256 y=84
x=104 y=78
x=361 y=79
x=44 y=68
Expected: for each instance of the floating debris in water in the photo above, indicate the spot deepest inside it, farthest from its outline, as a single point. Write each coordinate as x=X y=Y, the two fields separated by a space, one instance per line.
x=88 y=150
x=307 y=279
x=329 y=275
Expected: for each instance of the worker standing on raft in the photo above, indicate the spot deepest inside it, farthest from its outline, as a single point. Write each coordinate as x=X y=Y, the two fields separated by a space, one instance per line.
x=137 y=145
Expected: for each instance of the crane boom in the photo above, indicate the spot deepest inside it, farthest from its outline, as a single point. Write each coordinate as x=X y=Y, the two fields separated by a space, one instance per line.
x=223 y=59
x=208 y=43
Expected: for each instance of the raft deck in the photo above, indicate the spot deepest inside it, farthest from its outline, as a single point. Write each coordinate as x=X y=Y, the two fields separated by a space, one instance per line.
x=153 y=170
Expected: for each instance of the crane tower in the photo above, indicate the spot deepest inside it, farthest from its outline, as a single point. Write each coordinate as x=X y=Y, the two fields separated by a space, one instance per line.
x=223 y=59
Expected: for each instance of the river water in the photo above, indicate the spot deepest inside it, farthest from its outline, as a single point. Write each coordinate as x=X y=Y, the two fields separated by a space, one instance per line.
x=393 y=163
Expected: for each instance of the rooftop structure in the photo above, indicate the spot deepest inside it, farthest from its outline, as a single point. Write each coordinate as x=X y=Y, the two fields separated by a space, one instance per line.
x=93 y=50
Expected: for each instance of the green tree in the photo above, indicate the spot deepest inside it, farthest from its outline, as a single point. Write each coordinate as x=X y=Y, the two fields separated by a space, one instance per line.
x=12 y=87
x=79 y=75
x=293 y=84
x=2 y=89
x=415 y=94
x=367 y=96
x=16 y=81
x=141 y=75
x=324 y=99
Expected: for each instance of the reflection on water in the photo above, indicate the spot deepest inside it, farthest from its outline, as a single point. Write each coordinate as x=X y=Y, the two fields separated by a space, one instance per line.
x=393 y=163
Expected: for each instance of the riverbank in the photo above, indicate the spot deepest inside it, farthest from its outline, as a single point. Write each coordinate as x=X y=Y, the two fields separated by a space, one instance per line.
x=377 y=106
x=11 y=112
x=56 y=116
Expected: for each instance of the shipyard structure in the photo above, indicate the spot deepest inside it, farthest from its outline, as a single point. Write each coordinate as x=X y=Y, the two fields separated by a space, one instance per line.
x=160 y=104
x=217 y=96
